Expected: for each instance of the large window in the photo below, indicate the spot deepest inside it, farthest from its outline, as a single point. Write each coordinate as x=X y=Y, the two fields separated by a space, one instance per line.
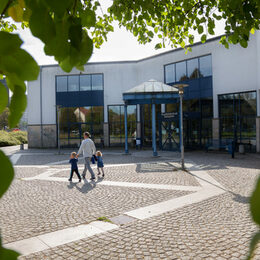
x=116 y=124
x=74 y=121
x=188 y=69
x=197 y=125
x=237 y=113
x=80 y=82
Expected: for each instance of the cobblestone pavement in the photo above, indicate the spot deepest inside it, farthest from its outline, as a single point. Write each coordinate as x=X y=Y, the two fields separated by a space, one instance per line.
x=216 y=228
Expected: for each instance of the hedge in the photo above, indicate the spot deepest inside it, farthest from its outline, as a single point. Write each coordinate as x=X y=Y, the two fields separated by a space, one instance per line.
x=12 y=138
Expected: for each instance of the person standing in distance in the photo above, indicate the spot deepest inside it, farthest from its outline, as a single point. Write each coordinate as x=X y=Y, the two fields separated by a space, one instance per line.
x=88 y=148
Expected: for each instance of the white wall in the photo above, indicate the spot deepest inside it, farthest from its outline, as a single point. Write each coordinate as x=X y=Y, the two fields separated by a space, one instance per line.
x=33 y=102
x=258 y=71
x=234 y=70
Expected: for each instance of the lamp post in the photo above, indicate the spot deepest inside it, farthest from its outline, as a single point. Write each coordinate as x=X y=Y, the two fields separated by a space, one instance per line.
x=181 y=87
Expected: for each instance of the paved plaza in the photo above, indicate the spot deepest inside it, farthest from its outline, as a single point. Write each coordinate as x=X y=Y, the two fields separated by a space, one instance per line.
x=144 y=208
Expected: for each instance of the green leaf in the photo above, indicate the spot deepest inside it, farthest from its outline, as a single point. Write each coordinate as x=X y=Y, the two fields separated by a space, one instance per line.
x=88 y=18
x=20 y=63
x=3 y=4
x=254 y=241
x=200 y=29
x=203 y=38
x=42 y=25
x=75 y=33
x=8 y=254
x=16 y=12
x=59 y=7
x=252 y=31
x=158 y=46
x=255 y=203
x=4 y=98
x=17 y=106
x=243 y=43
x=9 y=43
x=7 y=174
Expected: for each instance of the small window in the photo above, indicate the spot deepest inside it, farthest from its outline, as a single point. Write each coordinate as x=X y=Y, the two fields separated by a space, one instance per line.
x=61 y=83
x=181 y=73
x=97 y=82
x=193 y=68
x=85 y=82
x=73 y=83
x=170 y=73
x=205 y=66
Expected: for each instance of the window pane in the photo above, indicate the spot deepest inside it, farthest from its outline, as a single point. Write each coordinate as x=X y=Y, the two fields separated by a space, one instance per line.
x=170 y=73
x=207 y=107
x=85 y=114
x=172 y=107
x=227 y=128
x=61 y=83
x=194 y=105
x=74 y=131
x=205 y=66
x=97 y=82
x=63 y=115
x=181 y=71
x=97 y=115
x=85 y=82
x=131 y=113
x=86 y=128
x=63 y=131
x=193 y=68
x=226 y=105
x=73 y=114
x=114 y=114
x=73 y=83
x=248 y=103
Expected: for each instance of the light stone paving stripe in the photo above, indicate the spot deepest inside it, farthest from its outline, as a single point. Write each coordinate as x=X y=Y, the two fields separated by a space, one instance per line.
x=57 y=238
x=120 y=184
x=169 y=205
x=210 y=188
x=14 y=158
x=150 y=186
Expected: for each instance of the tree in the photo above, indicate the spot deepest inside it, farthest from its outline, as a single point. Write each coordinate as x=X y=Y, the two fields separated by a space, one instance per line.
x=70 y=28
x=4 y=118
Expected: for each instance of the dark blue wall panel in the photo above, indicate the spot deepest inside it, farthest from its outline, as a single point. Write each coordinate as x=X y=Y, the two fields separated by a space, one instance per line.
x=80 y=98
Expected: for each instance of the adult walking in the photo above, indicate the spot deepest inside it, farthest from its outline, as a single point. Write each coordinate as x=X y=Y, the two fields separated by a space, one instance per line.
x=88 y=148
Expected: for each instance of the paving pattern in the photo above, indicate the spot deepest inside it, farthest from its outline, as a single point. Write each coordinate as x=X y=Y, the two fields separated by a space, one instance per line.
x=219 y=227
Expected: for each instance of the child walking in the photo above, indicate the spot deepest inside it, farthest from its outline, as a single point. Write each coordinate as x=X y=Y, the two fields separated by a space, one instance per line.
x=100 y=164
x=74 y=166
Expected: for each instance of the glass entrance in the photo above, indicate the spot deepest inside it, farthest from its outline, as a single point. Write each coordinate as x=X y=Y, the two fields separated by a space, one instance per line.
x=169 y=132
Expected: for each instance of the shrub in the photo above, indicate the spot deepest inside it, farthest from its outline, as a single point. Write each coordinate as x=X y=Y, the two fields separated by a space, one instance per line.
x=20 y=135
x=12 y=138
x=6 y=139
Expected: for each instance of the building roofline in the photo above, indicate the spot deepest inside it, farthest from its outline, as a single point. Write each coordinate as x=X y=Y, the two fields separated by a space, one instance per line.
x=143 y=59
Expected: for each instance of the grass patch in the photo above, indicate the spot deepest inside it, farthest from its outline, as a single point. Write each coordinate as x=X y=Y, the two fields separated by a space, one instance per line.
x=12 y=138
x=105 y=219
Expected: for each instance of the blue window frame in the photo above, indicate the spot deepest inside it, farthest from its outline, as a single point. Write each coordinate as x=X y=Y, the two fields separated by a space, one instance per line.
x=188 y=69
x=75 y=83
x=237 y=115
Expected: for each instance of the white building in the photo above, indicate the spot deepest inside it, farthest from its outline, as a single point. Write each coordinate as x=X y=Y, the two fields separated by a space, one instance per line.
x=221 y=102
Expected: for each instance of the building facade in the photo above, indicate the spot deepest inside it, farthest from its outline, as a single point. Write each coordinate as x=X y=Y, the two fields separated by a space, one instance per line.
x=221 y=102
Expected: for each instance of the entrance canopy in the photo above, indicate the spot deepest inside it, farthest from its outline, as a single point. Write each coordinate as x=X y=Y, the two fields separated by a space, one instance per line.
x=150 y=92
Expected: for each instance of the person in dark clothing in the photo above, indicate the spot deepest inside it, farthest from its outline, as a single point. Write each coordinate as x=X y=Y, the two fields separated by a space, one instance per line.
x=74 y=166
